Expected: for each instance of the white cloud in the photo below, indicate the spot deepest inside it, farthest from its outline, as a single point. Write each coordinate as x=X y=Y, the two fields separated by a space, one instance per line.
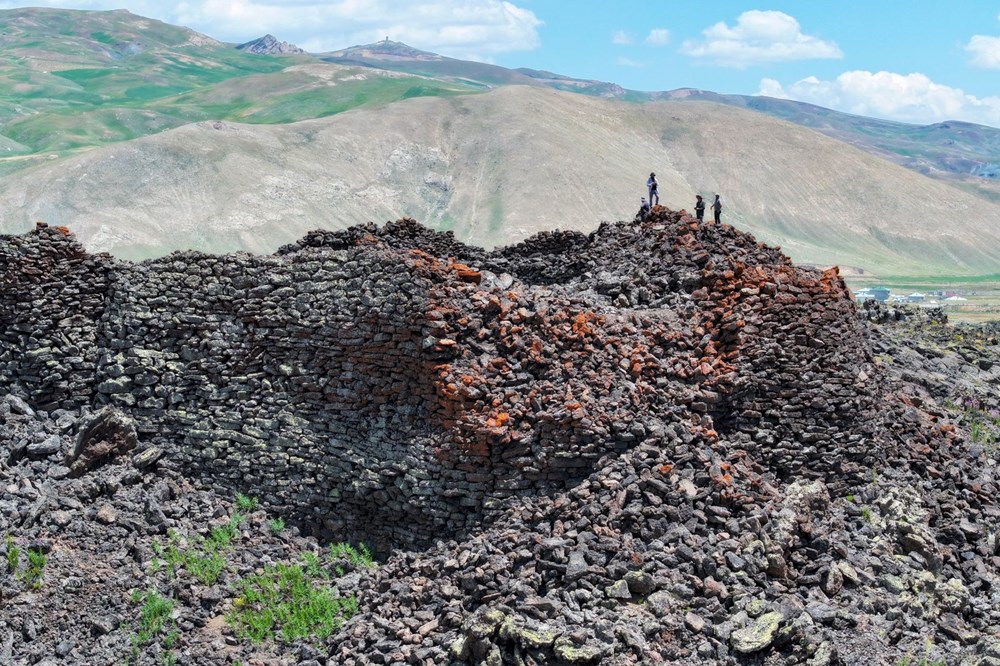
x=658 y=37
x=621 y=37
x=985 y=51
x=470 y=28
x=462 y=28
x=758 y=37
x=910 y=98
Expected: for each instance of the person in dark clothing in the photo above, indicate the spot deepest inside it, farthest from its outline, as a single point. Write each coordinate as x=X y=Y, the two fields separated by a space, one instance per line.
x=699 y=208
x=717 y=209
x=643 y=209
x=654 y=196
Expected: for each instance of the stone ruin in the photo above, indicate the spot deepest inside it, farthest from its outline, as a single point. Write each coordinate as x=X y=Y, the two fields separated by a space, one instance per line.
x=632 y=446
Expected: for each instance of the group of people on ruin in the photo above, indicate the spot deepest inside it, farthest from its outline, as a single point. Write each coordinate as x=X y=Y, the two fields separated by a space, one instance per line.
x=699 y=205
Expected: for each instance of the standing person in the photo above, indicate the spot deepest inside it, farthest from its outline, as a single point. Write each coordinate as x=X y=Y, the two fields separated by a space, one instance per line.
x=654 y=196
x=717 y=209
x=699 y=208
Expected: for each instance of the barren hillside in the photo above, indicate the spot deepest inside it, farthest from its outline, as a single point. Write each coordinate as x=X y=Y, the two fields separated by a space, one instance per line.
x=498 y=167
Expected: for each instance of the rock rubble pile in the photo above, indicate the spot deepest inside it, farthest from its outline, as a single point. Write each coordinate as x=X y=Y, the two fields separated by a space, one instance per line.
x=657 y=443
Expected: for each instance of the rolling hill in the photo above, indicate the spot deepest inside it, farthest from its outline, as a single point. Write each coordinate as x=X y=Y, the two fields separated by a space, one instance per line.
x=146 y=137
x=500 y=166
x=73 y=80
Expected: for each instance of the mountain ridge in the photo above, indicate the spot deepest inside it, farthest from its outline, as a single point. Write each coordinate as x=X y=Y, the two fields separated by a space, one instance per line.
x=493 y=168
x=93 y=111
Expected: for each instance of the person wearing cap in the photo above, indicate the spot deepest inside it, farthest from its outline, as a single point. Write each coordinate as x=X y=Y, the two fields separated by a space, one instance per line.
x=699 y=208
x=717 y=209
x=654 y=196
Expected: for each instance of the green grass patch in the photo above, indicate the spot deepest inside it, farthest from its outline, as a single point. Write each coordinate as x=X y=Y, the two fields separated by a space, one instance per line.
x=290 y=601
x=203 y=558
x=247 y=503
x=36 y=567
x=359 y=558
x=154 y=615
x=155 y=619
x=33 y=572
x=103 y=38
x=84 y=75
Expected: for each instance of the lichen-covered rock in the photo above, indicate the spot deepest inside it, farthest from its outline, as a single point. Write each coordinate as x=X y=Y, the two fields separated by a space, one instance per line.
x=757 y=635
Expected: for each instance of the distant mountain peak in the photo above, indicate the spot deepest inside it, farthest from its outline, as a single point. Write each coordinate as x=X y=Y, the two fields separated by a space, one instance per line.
x=386 y=50
x=269 y=45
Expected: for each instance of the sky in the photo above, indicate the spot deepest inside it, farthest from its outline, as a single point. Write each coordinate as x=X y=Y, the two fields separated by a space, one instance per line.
x=918 y=61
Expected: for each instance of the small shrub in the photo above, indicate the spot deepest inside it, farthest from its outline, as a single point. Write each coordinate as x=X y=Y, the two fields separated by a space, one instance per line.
x=204 y=559
x=36 y=567
x=221 y=537
x=360 y=557
x=287 y=598
x=313 y=567
x=277 y=525
x=866 y=514
x=154 y=616
x=246 y=503
x=13 y=555
x=206 y=567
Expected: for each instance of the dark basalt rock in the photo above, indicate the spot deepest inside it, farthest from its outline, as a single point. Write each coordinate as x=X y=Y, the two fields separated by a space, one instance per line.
x=660 y=442
x=105 y=436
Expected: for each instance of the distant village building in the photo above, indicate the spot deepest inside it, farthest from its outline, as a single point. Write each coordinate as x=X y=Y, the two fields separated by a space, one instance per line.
x=916 y=298
x=881 y=294
x=863 y=295
x=956 y=298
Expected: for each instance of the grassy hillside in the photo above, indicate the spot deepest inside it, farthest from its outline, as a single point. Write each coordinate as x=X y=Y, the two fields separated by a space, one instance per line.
x=124 y=76
x=501 y=166
x=74 y=80
x=146 y=137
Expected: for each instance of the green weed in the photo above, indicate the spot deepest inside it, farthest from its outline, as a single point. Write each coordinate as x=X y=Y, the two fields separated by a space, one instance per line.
x=204 y=559
x=277 y=525
x=153 y=617
x=313 y=567
x=13 y=555
x=866 y=514
x=246 y=503
x=36 y=567
x=360 y=557
x=290 y=599
x=222 y=537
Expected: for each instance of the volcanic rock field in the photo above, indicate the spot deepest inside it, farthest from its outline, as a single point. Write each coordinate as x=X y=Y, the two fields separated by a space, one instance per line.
x=659 y=443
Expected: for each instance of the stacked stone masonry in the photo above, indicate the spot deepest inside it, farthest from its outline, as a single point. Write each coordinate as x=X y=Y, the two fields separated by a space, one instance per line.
x=395 y=385
x=648 y=444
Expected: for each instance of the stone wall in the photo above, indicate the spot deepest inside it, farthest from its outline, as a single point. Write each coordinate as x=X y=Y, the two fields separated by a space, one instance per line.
x=391 y=384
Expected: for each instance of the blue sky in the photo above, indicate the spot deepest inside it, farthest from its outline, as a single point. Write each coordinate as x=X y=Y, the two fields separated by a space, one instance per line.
x=916 y=61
